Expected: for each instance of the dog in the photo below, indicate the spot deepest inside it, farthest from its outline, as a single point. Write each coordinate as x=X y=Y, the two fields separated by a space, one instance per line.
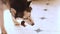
x=17 y=10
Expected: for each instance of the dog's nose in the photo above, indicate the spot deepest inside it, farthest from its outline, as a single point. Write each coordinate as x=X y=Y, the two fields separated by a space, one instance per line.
x=32 y=24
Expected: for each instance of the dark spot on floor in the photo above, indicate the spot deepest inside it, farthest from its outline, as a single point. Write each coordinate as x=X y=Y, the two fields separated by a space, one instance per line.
x=42 y=18
x=45 y=9
x=38 y=30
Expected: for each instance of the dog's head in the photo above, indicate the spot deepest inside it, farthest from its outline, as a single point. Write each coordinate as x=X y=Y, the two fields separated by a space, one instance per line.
x=19 y=6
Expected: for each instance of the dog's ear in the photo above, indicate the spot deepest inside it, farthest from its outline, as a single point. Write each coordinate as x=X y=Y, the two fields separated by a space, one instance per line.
x=28 y=3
